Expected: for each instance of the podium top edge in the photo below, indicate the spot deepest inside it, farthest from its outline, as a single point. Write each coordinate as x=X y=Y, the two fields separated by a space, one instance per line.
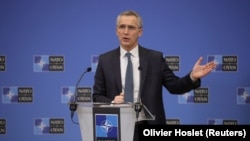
x=98 y=104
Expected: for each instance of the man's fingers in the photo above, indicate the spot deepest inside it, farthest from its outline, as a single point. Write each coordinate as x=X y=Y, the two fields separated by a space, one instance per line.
x=199 y=60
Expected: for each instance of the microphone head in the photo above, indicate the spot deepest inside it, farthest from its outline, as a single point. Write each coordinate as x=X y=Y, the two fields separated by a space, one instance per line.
x=139 y=68
x=73 y=107
x=89 y=69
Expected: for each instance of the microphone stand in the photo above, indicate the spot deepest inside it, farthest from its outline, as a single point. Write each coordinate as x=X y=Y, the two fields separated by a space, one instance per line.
x=73 y=105
x=138 y=105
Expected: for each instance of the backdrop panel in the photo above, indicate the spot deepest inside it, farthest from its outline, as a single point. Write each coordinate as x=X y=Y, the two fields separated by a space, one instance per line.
x=45 y=45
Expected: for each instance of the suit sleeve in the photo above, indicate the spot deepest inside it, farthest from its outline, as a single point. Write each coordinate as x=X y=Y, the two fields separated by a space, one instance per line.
x=175 y=84
x=99 y=88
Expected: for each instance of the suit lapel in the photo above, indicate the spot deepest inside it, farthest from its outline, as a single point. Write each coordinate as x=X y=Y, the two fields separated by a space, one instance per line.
x=115 y=60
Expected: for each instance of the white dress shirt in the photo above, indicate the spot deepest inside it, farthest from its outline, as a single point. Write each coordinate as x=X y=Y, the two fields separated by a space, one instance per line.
x=136 y=71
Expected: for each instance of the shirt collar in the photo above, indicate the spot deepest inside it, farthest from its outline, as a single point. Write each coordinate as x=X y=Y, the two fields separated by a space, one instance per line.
x=134 y=51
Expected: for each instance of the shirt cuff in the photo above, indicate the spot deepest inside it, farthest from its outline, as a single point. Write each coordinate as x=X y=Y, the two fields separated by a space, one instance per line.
x=192 y=77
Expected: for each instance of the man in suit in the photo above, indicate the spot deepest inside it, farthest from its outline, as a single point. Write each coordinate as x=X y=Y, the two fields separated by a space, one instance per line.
x=150 y=71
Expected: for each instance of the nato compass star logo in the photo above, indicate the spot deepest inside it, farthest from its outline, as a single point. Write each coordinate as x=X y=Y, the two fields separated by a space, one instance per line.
x=186 y=98
x=106 y=126
x=41 y=63
x=243 y=95
x=67 y=94
x=41 y=126
x=218 y=60
x=10 y=95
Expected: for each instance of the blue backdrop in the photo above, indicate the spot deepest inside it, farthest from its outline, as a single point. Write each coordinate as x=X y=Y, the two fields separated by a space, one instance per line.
x=45 y=45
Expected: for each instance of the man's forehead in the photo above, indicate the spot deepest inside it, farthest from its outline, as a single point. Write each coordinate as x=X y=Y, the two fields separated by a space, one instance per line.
x=128 y=20
x=131 y=17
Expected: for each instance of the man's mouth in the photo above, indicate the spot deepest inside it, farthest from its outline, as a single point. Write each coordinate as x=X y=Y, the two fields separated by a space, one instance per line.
x=125 y=39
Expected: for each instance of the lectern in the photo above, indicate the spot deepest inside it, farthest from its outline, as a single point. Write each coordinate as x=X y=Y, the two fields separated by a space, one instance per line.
x=99 y=121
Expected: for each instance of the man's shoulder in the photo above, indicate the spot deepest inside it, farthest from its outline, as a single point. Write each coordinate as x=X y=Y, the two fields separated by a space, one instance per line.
x=149 y=51
x=110 y=53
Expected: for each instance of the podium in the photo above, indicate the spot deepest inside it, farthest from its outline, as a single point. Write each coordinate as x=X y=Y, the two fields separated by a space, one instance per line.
x=100 y=121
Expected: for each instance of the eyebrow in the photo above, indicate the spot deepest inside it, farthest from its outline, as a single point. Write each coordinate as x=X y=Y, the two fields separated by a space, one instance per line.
x=128 y=26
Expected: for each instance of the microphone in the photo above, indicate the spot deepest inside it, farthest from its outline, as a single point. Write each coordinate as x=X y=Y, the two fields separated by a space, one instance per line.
x=73 y=105
x=138 y=105
x=138 y=108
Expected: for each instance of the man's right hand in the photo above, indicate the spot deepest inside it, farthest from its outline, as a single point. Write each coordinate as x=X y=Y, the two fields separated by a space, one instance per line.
x=119 y=99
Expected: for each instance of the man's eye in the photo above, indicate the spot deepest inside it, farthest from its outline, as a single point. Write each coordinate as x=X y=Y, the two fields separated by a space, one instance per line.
x=128 y=27
x=131 y=28
x=122 y=26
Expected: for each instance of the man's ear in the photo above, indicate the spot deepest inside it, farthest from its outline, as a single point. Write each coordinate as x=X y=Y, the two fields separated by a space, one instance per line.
x=140 y=33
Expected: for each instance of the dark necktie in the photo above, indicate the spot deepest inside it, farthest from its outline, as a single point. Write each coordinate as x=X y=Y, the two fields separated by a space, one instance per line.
x=129 y=88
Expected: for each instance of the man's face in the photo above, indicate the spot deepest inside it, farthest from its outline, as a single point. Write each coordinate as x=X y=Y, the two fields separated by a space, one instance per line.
x=128 y=31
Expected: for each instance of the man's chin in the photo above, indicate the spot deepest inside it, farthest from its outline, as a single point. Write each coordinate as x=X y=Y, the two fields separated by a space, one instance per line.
x=126 y=44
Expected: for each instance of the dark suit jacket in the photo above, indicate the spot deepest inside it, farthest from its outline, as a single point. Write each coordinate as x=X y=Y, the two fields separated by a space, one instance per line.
x=155 y=74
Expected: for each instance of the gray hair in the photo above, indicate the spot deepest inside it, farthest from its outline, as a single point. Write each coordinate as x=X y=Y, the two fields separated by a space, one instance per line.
x=131 y=13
